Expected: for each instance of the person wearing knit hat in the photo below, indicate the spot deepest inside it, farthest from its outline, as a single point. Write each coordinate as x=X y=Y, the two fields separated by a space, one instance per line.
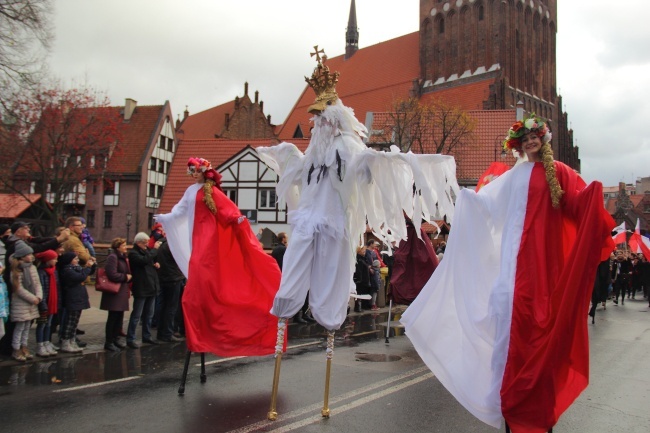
x=48 y=306
x=22 y=250
x=75 y=296
x=26 y=295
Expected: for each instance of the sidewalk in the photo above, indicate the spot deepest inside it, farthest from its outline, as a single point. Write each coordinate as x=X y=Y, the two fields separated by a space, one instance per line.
x=93 y=323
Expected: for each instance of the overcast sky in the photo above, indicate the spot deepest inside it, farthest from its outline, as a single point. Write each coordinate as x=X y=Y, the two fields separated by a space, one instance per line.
x=199 y=53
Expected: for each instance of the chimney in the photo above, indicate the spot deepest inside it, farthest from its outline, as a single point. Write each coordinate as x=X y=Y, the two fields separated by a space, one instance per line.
x=129 y=108
x=520 y=110
x=186 y=113
x=268 y=119
x=621 y=188
x=236 y=101
x=246 y=88
x=178 y=121
x=262 y=106
x=227 y=120
x=257 y=96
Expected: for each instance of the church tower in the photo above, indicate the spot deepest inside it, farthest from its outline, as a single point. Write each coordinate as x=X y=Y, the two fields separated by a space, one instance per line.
x=352 y=33
x=514 y=40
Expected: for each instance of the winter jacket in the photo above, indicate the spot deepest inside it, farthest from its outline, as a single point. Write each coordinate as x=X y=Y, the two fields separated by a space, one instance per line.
x=23 y=307
x=117 y=269
x=145 y=277
x=169 y=271
x=73 y=287
x=75 y=245
x=4 y=300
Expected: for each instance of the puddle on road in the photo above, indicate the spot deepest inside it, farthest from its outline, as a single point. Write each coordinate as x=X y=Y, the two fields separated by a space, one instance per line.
x=66 y=370
x=376 y=357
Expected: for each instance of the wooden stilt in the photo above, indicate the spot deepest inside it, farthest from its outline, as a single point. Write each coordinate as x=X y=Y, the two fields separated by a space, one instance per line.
x=282 y=327
x=325 y=413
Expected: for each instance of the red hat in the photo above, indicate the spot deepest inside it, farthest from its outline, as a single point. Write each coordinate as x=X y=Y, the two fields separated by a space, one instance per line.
x=46 y=256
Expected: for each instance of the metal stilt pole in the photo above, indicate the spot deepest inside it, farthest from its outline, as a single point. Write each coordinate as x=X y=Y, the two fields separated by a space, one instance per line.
x=390 y=309
x=329 y=353
x=282 y=327
x=181 y=389
x=203 y=376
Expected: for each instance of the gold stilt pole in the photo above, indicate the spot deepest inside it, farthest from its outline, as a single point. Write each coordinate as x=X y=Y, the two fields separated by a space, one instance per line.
x=325 y=413
x=282 y=327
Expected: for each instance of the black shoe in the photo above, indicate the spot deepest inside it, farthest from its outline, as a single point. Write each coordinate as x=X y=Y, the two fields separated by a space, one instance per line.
x=150 y=341
x=308 y=317
x=119 y=344
x=298 y=319
x=615 y=301
x=171 y=339
x=133 y=344
x=80 y=332
x=81 y=343
x=111 y=347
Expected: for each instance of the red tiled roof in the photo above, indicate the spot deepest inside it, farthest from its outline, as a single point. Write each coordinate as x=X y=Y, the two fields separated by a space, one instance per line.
x=12 y=205
x=137 y=133
x=208 y=123
x=469 y=96
x=473 y=159
x=370 y=80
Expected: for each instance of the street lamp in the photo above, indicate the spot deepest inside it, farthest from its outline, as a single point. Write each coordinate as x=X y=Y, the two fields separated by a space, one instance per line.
x=128 y=225
x=498 y=143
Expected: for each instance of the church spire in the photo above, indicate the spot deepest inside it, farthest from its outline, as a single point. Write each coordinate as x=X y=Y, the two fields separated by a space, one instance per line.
x=352 y=33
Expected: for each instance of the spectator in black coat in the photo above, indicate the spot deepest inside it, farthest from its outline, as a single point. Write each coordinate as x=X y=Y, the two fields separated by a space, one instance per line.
x=75 y=296
x=172 y=281
x=145 y=288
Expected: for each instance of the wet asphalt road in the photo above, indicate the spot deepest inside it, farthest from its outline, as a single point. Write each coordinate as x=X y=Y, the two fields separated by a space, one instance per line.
x=374 y=387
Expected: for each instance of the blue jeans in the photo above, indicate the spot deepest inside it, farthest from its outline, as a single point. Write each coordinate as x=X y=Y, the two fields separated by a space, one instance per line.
x=141 y=307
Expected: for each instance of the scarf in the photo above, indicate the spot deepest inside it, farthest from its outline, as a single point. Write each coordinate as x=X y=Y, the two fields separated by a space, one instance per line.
x=53 y=297
x=28 y=283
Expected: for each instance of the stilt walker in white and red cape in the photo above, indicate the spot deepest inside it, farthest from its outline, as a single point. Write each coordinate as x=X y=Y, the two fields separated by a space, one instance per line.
x=331 y=192
x=509 y=339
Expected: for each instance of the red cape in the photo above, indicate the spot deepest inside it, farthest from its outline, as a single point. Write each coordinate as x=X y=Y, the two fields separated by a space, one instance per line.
x=415 y=261
x=231 y=285
x=548 y=355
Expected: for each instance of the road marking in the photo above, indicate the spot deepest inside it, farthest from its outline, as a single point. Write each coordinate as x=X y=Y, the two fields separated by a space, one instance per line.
x=318 y=406
x=219 y=361
x=352 y=405
x=93 y=385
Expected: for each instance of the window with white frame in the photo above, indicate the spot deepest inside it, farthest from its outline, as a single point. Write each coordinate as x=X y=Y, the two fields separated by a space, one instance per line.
x=231 y=193
x=111 y=193
x=267 y=198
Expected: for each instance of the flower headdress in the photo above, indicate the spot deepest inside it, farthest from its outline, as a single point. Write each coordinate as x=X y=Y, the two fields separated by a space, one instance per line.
x=212 y=178
x=523 y=127
x=198 y=164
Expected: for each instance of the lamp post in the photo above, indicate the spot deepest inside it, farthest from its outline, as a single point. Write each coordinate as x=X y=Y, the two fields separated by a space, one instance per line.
x=128 y=225
x=498 y=143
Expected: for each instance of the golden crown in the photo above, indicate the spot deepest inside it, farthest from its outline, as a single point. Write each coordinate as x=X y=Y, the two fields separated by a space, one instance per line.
x=323 y=82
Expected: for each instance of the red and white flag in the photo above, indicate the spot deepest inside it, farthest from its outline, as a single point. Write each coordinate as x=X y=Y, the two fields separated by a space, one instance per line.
x=619 y=234
x=638 y=243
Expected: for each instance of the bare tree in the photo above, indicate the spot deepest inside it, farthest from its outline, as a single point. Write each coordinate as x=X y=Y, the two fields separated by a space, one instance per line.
x=58 y=143
x=431 y=127
x=25 y=36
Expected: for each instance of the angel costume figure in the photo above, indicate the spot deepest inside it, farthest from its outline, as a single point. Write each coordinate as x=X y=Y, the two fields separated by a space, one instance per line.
x=509 y=338
x=231 y=281
x=331 y=190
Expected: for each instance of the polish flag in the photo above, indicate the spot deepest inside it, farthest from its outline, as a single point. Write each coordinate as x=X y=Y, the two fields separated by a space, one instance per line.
x=638 y=243
x=619 y=236
x=502 y=321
